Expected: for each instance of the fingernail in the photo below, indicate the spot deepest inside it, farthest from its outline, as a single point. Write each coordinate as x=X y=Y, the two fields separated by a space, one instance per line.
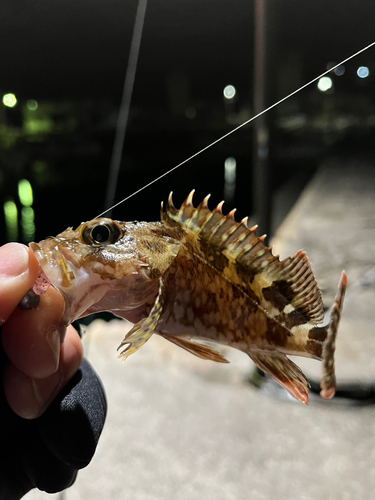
x=45 y=391
x=53 y=339
x=14 y=259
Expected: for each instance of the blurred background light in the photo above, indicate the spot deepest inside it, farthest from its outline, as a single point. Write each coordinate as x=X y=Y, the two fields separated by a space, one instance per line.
x=9 y=100
x=25 y=193
x=190 y=112
x=340 y=70
x=27 y=224
x=230 y=166
x=40 y=172
x=229 y=92
x=363 y=72
x=11 y=220
x=324 y=83
x=32 y=104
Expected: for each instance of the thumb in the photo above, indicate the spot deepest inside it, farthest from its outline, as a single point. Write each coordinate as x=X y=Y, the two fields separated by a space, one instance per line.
x=18 y=272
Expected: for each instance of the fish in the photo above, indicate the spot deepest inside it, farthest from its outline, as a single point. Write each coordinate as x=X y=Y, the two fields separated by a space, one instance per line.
x=196 y=278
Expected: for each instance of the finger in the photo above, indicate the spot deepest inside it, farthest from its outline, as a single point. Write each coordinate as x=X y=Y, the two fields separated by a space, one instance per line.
x=18 y=272
x=32 y=338
x=30 y=397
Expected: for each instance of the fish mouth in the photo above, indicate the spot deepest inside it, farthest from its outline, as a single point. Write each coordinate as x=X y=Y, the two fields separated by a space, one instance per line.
x=53 y=263
x=60 y=272
x=79 y=287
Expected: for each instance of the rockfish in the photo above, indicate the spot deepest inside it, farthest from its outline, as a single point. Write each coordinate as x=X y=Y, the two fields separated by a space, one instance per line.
x=197 y=274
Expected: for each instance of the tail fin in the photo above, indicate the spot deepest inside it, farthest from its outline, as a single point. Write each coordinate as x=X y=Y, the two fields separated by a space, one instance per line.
x=328 y=383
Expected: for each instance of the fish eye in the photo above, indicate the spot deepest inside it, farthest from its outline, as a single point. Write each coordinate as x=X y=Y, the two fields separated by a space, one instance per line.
x=102 y=233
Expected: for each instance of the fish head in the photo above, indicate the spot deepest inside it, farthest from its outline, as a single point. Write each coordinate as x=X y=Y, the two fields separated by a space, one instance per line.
x=103 y=265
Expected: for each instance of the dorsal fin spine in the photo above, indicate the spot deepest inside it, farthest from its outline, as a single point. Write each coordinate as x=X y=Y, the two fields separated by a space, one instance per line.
x=305 y=295
x=301 y=285
x=232 y=247
x=249 y=250
x=204 y=203
x=298 y=265
x=302 y=273
x=315 y=310
x=171 y=210
x=228 y=233
x=219 y=208
x=206 y=219
x=189 y=200
x=217 y=226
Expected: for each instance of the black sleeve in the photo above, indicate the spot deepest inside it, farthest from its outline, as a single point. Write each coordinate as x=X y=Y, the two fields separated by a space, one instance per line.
x=47 y=452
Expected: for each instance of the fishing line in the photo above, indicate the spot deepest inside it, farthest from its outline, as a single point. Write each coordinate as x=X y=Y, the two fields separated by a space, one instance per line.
x=240 y=126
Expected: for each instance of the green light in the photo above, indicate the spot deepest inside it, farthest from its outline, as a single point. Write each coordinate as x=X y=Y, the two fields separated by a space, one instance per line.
x=27 y=224
x=40 y=172
x=25 y=193
x=11 y=220
x=32 y=104
x=9 y=100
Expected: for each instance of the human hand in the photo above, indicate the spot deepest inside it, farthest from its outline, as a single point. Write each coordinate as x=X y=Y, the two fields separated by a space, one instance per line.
x=52 y=409
x=40 y=361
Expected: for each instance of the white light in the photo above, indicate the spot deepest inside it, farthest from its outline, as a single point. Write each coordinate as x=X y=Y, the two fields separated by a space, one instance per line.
x=230 y=166
x=340 y=70
x=363 y=72
x=230 y=169
x=324 y=83
x=9 y=100
x=229 y=92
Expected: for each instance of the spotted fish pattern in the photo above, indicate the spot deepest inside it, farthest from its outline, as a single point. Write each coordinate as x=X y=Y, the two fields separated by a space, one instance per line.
x=198 y=275
x=225 y=285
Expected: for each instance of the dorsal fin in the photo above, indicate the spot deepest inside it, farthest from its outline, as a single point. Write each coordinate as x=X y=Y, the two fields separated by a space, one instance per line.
x=286 y=289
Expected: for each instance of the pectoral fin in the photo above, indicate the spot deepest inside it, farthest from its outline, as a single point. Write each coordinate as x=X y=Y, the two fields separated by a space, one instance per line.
x=285 y=372
x=200 y=350
x=143 y=330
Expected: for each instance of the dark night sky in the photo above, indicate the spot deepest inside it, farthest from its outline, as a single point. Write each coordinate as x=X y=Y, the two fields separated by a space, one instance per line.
x=75 y=48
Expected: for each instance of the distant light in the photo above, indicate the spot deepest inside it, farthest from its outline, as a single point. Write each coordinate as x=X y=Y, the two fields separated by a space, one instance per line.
x=229 y=92
x=25 y=193
x=11 y=220
x=27 y=224
x=9 y=100
x=363 y=72
x=40 y=172
x=32 y=104
x=230 y=166
x=340 y=70
x=324 y=83
x=190 y=112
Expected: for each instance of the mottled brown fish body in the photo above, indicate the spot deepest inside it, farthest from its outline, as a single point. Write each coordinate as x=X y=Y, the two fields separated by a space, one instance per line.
x=252 y=301
x=196 y=274
x=201 y=303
